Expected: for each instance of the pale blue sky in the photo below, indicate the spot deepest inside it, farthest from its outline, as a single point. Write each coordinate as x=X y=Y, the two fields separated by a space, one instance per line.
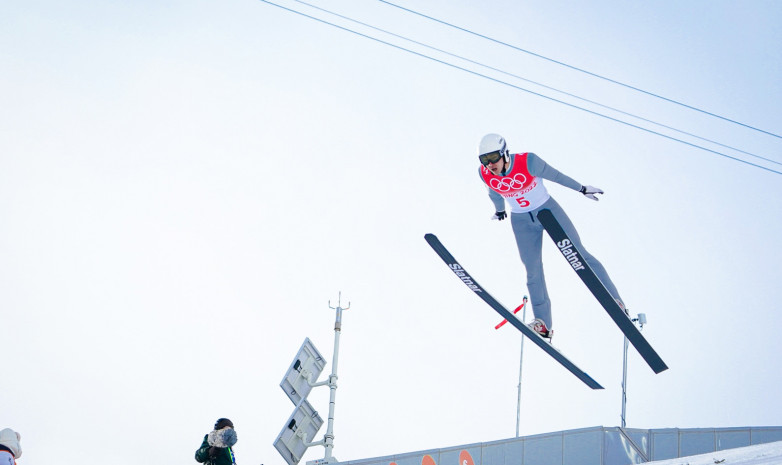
x=184 y=187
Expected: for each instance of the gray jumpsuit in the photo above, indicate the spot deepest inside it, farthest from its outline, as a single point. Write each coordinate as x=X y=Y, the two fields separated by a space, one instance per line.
x=529 y=238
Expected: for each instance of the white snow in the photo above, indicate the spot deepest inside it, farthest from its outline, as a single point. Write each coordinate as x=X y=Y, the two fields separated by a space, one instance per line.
x=761 y=454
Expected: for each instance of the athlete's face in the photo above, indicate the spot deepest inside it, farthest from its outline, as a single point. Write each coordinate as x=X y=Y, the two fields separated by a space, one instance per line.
x=496 y=168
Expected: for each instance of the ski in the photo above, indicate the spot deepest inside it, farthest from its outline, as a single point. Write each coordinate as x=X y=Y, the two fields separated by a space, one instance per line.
x=462 y=274
x=622 y=320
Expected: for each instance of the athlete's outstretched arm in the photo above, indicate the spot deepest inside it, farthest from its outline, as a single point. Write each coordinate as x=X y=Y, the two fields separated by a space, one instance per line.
x=537 y=167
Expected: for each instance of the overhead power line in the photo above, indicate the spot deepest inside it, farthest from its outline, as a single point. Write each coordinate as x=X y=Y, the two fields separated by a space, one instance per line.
x=534 y=82
x=580 y=69
x=521 y=88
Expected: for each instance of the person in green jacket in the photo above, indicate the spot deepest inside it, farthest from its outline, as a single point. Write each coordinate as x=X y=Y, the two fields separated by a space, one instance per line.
x=216 y=447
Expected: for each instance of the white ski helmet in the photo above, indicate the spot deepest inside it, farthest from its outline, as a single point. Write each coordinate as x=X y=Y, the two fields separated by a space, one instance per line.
x=494 y=143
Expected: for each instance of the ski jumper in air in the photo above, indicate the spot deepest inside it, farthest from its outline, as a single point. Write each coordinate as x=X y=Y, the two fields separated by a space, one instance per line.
x=517 y=179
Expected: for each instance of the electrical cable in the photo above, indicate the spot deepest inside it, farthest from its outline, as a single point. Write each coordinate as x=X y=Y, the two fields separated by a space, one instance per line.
x=580 y=69
x=536 y=83
x=522 y=88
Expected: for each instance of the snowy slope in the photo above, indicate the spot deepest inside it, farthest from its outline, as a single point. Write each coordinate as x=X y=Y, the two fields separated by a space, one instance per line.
x=761 y=454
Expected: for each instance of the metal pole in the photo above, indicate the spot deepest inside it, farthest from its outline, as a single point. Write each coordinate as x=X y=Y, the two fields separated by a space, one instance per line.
x=640 y=320
x=624 y=386
x=521 y=363
x=329 y=436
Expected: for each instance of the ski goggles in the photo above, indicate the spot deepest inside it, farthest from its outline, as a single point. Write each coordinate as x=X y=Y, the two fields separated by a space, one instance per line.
x=492 y=157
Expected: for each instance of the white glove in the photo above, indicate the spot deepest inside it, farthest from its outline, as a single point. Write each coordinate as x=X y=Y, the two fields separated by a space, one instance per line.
x=589 y=192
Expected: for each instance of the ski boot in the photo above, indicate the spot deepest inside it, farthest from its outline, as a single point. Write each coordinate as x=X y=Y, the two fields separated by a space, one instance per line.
x=540 y=327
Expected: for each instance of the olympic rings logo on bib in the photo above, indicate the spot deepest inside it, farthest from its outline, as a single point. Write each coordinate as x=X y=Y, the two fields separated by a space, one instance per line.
x=508 y=184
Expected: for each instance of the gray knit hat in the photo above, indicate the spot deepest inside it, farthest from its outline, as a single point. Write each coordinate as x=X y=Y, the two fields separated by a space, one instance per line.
x=10 y=439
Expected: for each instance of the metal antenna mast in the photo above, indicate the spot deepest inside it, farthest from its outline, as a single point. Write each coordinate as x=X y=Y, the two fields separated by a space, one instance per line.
x=641 y=320
x=302 y=426
x=332 y=383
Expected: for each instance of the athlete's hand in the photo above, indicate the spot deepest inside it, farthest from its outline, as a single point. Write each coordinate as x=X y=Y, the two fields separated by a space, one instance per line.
x=589 y=192
x=499 y=215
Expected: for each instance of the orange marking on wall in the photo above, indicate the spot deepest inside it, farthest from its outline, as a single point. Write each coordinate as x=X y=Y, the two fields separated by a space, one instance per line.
x=465 y=458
